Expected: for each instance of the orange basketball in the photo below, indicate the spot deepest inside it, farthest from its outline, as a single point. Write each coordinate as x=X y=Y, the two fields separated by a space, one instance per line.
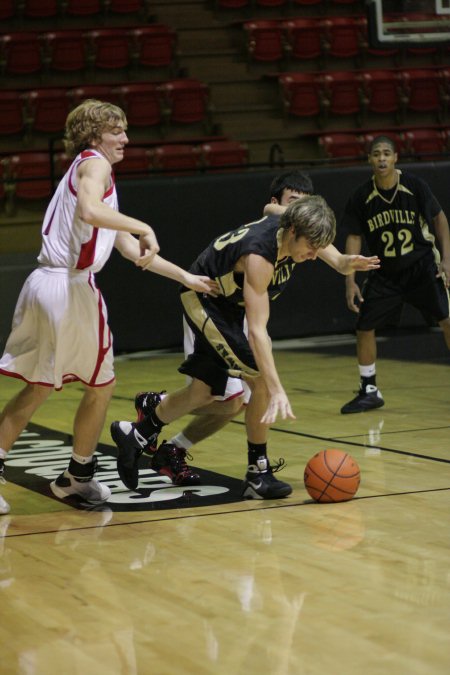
x=332 y=476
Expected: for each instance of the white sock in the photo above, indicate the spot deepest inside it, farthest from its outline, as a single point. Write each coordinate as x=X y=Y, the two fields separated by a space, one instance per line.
x=82 y=460
x=181 y=441
x=367 y=371
x=3 y=453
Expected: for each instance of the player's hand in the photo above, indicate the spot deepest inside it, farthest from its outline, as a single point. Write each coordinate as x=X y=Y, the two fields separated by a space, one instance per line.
x=278 y=405
x=444 y=272
x=353 y=296
x=362 y=263
x=202 y=284
x=149 y=247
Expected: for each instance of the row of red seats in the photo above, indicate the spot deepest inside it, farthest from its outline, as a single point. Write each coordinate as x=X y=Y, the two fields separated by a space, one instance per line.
x=397 y=91
x=28 y=176
x=321 y=38
x=410 y=142
x=238 y=4
x=42 y=9
x=44 y=110
x=29 y=52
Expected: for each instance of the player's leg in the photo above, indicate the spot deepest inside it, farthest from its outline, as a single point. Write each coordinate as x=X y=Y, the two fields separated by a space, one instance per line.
x=78 y=479
x=369 y=396
x=13 y=420
x=259 y=482
x=133 y=438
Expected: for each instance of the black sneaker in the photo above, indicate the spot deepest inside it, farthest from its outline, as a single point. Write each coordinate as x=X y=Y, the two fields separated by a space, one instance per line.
x=368 y=399
x=170 y=461
x=260 y=483
x=145 y=402
x=131 y=445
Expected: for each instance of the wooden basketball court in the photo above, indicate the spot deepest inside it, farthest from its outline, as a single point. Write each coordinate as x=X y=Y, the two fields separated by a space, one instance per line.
x=285 y=587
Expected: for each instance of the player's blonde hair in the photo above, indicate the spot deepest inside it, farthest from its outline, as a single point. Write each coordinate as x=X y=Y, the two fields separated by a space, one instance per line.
x=88 y=121
x=312 y=218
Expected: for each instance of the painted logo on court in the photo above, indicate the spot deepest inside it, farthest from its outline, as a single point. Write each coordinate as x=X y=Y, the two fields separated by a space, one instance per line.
x=40 y=455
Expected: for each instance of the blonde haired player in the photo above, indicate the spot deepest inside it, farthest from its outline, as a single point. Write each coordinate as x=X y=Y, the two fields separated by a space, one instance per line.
x=60 y=331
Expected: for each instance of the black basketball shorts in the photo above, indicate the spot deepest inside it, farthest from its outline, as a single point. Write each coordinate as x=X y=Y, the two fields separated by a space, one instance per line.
x=221 y=348
x=417 y=285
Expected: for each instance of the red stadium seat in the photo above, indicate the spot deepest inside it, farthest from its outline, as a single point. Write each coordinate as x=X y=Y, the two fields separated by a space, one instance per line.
x=303 y=38
x=123 y=6
x=342 y=146
x=300 y=94
x=176 y=158
x=7 y=9
x=226 y=153
x=39 y=9
x=153 y=46
x=142 y=103
x=263 y=40
x=109 y=48
x=342 y=94
x=381 y=91
x=30 y=175
x=11 y=113
x=186 y=101
x=20 y=53
x=422 y=92
x=82 y=7
x=65 y=50
x=342 y=38
x=47 y=110
x=429 y=143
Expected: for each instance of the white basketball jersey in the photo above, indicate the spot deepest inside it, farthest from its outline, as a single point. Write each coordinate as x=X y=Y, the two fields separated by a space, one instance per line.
x=68 y=241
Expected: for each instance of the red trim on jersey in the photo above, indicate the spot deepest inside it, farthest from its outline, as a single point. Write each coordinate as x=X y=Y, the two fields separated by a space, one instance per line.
x=47 y=229
x=102 y=328
x=87 y=252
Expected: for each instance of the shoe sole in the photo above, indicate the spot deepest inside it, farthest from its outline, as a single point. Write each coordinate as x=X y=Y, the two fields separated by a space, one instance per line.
x=249 y=492
x=59 y=492
x=362 y=410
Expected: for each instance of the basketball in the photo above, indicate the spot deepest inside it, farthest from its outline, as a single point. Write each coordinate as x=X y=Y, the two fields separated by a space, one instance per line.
x=332 y=476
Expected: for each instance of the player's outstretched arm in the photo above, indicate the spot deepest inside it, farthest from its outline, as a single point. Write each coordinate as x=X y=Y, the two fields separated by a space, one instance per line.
x=347 y=263
x=198 y=283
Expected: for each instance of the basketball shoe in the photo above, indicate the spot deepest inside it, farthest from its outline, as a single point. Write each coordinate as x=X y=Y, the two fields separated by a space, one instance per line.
x=145 y=403
x=260 y=483
x=169 y=460
x=4 y=506
x=131 y=445
x=79 y=480
x=367 y=398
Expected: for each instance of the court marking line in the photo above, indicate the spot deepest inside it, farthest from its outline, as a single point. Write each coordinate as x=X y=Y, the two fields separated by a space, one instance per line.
x=309 y=502
x=353 y=443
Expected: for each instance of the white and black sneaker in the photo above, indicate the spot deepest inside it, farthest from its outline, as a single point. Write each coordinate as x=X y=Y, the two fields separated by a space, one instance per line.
x=260 y=483
x=78 y=480
x=367 y=398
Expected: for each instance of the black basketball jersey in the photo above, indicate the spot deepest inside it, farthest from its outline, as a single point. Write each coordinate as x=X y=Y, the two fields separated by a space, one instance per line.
x=396 y=222
x=262 y=237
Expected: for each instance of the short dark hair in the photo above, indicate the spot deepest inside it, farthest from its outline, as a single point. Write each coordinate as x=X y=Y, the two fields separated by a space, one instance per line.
x=291 y=180
x=382 y=139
